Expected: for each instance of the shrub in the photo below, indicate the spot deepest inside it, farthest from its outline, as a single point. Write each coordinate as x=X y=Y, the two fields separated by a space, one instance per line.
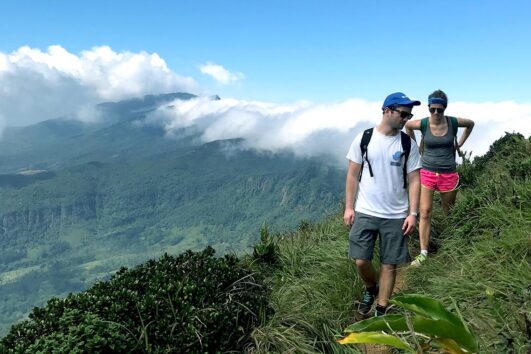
x=511 y=150
x=267 y=250
x=191 y=303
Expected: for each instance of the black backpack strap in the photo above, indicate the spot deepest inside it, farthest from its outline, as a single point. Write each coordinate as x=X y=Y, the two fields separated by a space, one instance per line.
x=406 y=148
x=365 y=139
x=423 y=126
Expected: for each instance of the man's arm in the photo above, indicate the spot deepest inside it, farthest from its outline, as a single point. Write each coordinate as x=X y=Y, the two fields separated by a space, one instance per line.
x=351 y=188
x=414 y=200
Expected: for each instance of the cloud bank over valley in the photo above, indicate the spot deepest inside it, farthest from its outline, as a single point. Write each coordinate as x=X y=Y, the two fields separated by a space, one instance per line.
x=37 y=85
x=310 y=129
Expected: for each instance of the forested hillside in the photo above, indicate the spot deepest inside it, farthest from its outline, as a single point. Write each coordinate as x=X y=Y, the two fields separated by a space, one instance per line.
x=78 y=200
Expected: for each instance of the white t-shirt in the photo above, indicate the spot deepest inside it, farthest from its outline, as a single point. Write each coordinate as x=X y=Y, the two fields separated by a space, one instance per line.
x=383 y=195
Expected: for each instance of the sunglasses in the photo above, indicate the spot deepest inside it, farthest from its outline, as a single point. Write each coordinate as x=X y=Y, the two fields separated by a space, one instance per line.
x=438 y=110
x=403 y=114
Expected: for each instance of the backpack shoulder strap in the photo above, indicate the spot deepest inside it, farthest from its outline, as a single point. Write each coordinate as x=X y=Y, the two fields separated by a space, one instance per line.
x=406 y=147
x=423 y=125
x=455 y=125
x=364 y=144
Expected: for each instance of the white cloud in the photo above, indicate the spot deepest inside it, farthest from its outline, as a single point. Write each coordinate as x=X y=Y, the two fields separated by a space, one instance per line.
x=492 y=120
x=220 y=74
x=310 y=129
x=37 y=85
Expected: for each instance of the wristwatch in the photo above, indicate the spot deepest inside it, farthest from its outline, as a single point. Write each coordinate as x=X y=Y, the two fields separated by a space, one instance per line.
x=414 y=213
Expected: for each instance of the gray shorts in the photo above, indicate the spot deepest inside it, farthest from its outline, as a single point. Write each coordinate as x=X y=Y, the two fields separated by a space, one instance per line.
x=392 y=242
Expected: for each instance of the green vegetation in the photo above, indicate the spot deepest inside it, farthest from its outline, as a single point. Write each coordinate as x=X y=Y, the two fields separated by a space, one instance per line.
x=484 y=260
x=266 y=251
x=76 y=226
x=424 y=325
x=118 y=193
x=481 y=270
x=313 y=286
x=194 y=303
x=93 y=219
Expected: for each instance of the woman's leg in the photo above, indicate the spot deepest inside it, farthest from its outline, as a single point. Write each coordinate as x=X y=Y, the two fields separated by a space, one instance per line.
x=426 y=201
x=447 y=200
x=448 y=187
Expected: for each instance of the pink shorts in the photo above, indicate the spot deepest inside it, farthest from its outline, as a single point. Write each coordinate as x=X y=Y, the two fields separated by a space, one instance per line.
x=442 y=182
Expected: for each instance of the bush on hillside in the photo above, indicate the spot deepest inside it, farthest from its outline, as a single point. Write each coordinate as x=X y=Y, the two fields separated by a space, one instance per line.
x=510 y=145
x=191 y=303
x=266 y=251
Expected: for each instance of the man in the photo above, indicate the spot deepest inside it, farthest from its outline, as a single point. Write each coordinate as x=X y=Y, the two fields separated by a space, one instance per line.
x=381 y=200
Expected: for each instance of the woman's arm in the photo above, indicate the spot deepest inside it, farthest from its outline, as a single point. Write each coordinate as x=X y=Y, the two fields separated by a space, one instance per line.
x=468 y=124
x=412 y=125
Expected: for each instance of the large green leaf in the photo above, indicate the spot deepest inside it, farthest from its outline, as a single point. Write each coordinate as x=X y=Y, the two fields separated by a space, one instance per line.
x=381 y=323
x=433 y=328
x=427 y=307
x=432 y=308
x=377 y=338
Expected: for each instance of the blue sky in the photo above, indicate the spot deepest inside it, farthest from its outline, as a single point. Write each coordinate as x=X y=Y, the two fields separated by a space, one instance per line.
x=290 y=73
x=293 y=50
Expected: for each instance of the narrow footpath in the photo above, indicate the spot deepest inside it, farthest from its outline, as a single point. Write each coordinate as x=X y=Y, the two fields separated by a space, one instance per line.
x=400 y=284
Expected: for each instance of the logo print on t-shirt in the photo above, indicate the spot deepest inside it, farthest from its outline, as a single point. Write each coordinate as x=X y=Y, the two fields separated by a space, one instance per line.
x=396 y=158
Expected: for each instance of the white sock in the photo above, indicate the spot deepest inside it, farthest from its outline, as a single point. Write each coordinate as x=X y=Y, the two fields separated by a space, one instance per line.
x=424 y=253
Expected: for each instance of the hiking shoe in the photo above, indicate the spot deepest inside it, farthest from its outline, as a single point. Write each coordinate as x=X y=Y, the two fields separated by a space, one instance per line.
x=419 y=260
x=365 y=304
x=380 y=311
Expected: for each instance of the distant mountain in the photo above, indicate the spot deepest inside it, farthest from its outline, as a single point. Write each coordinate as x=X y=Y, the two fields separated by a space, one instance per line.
x=64 y=141
x=78 y=200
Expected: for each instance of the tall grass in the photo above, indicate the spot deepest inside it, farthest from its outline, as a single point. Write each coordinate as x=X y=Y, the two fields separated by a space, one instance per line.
x=314 y=285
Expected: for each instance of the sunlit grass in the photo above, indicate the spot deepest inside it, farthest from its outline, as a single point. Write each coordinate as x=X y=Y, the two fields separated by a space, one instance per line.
x=314 y=287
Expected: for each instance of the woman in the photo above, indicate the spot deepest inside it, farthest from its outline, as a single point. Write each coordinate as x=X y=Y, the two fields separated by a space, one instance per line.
x=439 y=169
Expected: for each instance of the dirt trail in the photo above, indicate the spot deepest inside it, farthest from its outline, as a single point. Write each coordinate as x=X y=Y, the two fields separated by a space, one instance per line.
x=400 y=284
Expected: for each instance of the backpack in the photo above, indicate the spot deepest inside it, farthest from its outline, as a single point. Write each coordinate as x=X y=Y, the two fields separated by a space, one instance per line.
x=424 y=125
x=406 y=148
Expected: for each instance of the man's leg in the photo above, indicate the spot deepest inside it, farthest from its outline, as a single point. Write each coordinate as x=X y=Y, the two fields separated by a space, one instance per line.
x=362 y=238
x=366 y=272
x=393 y=251
x=387 y=283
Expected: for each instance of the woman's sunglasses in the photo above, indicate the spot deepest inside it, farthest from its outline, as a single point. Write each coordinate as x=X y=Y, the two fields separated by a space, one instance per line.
x=438 y=110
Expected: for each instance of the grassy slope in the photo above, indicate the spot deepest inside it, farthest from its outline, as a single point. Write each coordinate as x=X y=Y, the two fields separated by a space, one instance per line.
x=482 y=263
x=313 y=288
x=484 y=260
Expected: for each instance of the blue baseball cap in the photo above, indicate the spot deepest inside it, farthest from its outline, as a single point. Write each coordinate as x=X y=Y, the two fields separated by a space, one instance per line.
x=399 y=99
